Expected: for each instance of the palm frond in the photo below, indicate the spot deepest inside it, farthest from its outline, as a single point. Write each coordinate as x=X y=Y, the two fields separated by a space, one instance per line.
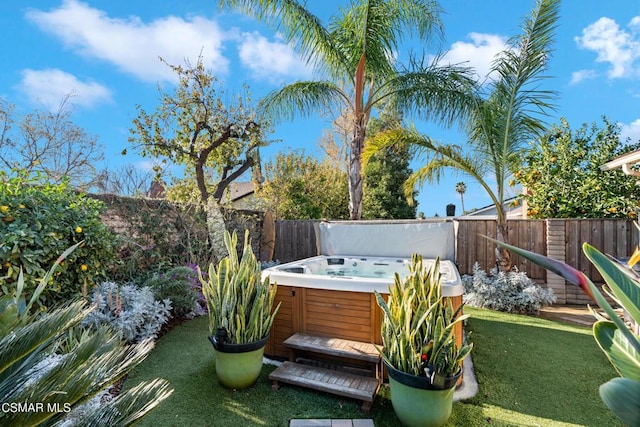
x=448 y=157
x=422 y=16
x=23 y=340
x=129 y=406
x=439 y=157
x=521 y=69
x=445 y=94
x=304 y=98
x=89 y=368
x=302 y=29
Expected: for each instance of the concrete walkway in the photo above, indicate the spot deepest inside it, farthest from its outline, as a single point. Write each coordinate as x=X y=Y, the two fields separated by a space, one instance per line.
x=576 y=314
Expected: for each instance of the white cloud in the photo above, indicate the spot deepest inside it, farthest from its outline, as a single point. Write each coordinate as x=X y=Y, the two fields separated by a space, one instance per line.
x=580 y=75
x=630 y=131
x=615 y=46
x=146 y=165
x=132 y=45
x=51 y=86
x=271 y=60
x=479 y=53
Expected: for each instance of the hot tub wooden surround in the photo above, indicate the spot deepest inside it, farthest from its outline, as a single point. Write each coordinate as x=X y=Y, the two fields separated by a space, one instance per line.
x=338 y=314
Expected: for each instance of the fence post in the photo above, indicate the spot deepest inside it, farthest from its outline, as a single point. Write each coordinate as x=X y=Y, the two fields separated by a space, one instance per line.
x=556 y=249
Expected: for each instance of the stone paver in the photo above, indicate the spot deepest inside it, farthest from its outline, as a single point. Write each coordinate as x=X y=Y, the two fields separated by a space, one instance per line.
x=332 y=423
x=310 y=423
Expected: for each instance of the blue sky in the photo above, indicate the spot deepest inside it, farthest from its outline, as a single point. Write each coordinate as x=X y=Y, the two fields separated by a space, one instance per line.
x=106 y=55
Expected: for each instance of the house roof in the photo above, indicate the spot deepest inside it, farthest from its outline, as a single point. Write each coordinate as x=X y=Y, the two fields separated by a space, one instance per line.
x=491 y=211
x=239 y=190
x=625 y=162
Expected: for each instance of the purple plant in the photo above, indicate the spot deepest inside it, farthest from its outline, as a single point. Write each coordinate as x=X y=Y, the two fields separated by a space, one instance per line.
x=197 y=286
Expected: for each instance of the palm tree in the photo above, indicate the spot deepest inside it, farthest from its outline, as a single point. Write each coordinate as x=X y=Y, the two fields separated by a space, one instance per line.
x=461 y=188
x=354 y=55
x=85 y=366
x=504 y=120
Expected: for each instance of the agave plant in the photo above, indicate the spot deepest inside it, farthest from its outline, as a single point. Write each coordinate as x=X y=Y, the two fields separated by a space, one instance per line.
x=237 y=299
x=418 y=325
x=84 y=368
x=617 y=340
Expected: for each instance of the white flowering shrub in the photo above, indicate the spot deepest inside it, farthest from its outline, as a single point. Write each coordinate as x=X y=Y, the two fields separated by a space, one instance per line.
x=511 y=292
x=132 y=311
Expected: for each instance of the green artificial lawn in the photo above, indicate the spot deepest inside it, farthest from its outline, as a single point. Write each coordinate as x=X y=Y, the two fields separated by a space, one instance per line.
x=531 y=372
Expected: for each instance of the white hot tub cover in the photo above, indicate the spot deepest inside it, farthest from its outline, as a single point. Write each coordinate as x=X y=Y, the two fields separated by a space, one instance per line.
x=431 y=239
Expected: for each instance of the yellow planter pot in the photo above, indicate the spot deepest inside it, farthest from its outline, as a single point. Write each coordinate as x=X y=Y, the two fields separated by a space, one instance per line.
x=238 y=366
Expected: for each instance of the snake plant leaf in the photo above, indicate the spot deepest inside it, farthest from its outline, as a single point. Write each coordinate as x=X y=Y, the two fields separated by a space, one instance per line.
x=382 y=304
x=464 y=352
x=622 y=355
x=417 y=320
x=621 y=397
x=569 y=273
x=626 y=290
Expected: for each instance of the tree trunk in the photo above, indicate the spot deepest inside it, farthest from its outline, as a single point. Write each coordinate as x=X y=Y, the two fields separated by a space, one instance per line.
x=201 y=181
x=216 y=228
x=503 y=257
x=355 y=172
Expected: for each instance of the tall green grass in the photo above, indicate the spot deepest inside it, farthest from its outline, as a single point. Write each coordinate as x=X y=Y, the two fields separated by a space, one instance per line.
x=531 y=372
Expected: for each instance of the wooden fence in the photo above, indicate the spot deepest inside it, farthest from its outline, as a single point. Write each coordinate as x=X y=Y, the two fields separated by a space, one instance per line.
x=472 y=247
x=617 y=237
x=295 y=239
x=612 y=236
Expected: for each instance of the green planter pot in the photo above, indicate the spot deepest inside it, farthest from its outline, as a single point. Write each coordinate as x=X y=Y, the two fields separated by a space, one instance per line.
x=417 y=402
x=238 y=366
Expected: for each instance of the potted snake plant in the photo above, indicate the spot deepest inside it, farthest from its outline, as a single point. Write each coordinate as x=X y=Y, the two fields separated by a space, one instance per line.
x=419 y=346
x=241 y=313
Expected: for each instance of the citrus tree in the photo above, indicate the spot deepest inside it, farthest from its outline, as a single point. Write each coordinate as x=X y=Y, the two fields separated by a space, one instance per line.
x=563 y=178
x=37 y=223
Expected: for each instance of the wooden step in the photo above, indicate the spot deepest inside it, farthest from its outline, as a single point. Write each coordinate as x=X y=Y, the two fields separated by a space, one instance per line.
x=334 y=347
x=327 y=380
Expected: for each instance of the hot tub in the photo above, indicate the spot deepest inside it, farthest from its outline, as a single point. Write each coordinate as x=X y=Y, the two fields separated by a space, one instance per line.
x=333 y=294
x=361 y=274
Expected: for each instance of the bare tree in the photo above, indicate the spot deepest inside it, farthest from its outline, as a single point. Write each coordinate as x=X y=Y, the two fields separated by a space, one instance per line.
x=127 y=180
x=6 y=121
x=48 y=142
